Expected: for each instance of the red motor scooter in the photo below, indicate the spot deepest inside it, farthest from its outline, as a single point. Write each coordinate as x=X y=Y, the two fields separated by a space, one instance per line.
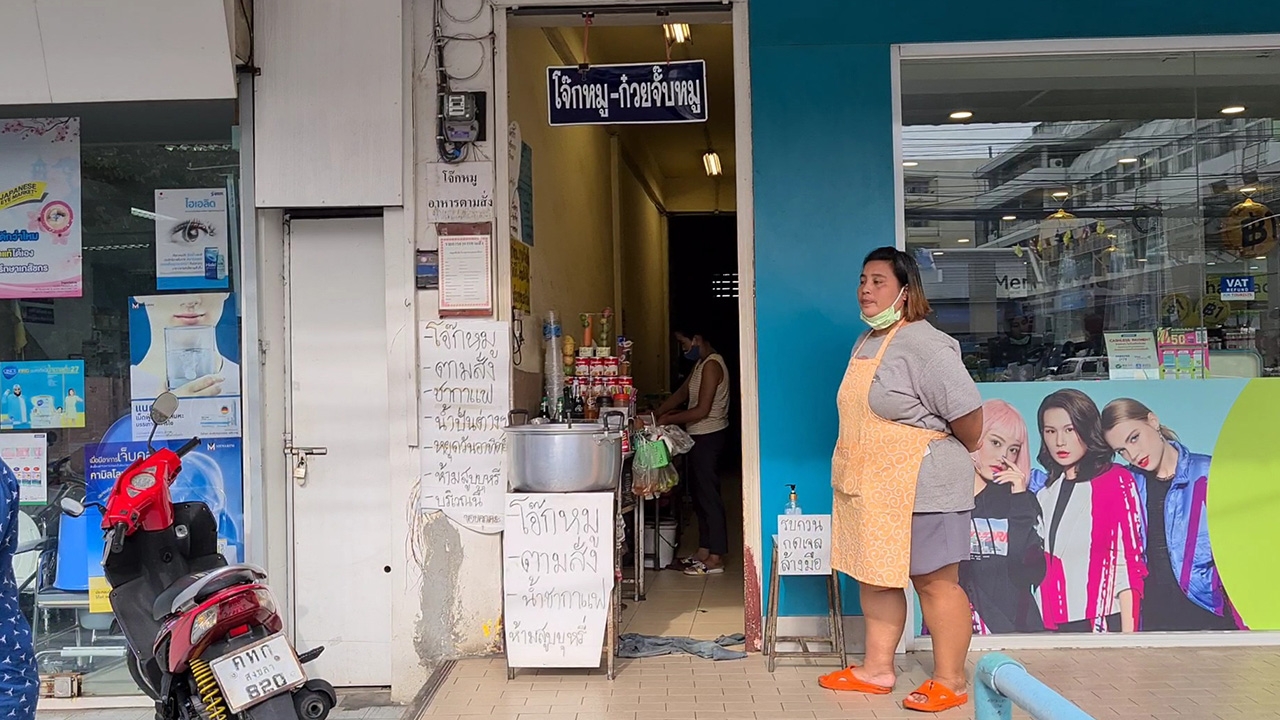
x=205 y=638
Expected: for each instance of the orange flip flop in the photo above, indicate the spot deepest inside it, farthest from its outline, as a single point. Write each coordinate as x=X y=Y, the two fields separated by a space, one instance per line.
x=845 y=681
x=940 y=698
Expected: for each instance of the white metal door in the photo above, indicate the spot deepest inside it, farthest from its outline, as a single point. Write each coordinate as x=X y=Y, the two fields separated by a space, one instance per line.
x=341 y=550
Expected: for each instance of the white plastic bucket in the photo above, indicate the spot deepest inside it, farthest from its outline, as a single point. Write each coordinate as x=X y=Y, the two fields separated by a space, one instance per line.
x=666 y=544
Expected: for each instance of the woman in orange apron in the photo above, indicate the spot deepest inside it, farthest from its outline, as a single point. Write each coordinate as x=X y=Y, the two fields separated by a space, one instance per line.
x=903 y=478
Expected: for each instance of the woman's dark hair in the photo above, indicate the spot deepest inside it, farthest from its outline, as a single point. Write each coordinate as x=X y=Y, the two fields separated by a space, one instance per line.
x=1087 y=421
x=693 y=327
x=907 y=272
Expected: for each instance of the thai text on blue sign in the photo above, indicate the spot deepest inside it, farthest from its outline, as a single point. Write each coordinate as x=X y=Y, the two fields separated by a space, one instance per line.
x=652 y=93
x=1240 y=287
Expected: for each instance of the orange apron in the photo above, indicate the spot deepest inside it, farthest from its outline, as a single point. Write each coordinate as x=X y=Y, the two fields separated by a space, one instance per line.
x=874 y=472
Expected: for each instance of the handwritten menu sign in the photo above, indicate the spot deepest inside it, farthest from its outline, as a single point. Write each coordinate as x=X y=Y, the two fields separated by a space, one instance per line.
x=804 y=544
x=465 y=393
x=557 y=578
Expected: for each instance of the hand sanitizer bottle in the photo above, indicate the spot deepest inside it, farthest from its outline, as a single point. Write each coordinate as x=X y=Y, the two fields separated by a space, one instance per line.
x=793 y=504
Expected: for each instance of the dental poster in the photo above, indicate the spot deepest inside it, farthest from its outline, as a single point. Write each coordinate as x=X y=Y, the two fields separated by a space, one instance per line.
x=42 y=394
x=191 y=239
x=187 y=344
x=211 y=473
x=40 y=254
x=26 y=455
x=1162 y=492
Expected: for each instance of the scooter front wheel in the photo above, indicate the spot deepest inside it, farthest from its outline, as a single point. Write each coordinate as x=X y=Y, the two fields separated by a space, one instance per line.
x=311 y=705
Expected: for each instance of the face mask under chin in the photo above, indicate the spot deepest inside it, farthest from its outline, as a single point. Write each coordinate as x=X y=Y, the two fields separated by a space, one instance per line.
x=886 y=318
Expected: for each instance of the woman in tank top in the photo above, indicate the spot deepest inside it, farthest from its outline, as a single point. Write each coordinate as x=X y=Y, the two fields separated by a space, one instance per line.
x=705 y=398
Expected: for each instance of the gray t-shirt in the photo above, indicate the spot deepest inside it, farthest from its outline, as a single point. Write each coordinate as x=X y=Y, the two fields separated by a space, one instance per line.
x=922 y=382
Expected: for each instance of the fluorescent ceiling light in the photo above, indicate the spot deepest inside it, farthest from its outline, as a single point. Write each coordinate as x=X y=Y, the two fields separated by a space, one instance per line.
x=961 y=115
x=676 y=32
x=1211 y=263
x=1261 y=257
x=1233 y=110
x=711 y=162
x=937 y=252
x=1128 y=160
x=963 y=240
x=1009 y=218
x=1142 y=259
x=909 y=163
x=1249 y=189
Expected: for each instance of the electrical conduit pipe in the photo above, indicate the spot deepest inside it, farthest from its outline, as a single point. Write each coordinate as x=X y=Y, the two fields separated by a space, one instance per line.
x=1002 y=682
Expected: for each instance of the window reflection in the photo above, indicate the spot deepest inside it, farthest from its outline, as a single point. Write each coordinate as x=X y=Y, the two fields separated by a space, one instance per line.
x=1095 y=194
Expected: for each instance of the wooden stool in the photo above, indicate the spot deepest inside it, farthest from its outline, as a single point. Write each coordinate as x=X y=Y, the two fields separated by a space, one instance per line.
x=835 y=624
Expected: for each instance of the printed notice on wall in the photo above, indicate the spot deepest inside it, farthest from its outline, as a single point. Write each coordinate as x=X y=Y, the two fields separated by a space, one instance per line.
x=40 y=217
x=464 y=400
x=459 y=192
x=466 y=274
x=557 y=578
x=25 y=454
x=191 y=239
x=804 y=545
x=1132 y=356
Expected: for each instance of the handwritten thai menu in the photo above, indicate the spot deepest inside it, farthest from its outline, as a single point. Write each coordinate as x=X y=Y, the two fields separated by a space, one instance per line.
x=557 y=578
x=465 y=393
x=804 y=544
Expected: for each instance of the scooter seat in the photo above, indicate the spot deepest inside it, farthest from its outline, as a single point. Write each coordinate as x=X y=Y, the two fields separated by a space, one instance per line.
x=198 y=586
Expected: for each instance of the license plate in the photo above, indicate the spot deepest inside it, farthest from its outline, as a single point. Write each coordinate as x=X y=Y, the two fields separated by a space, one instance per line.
x=257 y=672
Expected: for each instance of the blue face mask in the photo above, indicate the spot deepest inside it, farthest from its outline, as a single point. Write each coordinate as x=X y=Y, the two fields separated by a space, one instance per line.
x=693 y=353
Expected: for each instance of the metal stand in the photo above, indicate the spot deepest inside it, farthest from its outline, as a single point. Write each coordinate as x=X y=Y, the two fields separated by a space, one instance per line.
x=835 y=624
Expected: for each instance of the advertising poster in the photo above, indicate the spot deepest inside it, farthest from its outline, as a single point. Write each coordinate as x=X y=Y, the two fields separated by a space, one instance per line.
x=191 y=239
x=212 y=473
x=188 y=344
x=1132 y=356
x=1166 y=497
x=26 y=454
x=1184 y=353
x=40 y=218
x=42 y=394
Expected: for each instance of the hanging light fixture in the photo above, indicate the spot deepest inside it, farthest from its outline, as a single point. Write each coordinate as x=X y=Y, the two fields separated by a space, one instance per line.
x=711 y=162
x=677 y=32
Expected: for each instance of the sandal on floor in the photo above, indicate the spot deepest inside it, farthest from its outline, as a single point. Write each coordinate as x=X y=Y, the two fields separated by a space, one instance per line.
x=846 y=681
x=697 y=568
x=939 y=698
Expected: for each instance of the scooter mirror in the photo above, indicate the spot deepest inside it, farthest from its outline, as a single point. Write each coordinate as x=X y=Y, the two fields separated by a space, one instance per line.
x=71 y=507
x=164 y=408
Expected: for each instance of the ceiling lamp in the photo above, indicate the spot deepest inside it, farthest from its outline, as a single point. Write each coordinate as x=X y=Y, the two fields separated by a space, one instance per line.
x=711 y=161
x=909 y=163
x=1009 y=218
x=1128 y=160
x=1233 y=109
x=676 y=32
x=961 y=115
x=963 y=240
x=1061 y=194
x=1248 y=189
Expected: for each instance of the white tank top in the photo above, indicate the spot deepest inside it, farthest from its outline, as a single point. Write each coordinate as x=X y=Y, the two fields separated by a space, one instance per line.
x=718 y=418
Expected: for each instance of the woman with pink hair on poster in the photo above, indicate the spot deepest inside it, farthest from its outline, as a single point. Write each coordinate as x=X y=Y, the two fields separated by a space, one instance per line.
x=1091 y=522
x=1006 y=553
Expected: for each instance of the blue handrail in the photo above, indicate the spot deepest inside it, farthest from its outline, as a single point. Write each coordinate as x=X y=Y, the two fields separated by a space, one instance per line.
x=1002 y=682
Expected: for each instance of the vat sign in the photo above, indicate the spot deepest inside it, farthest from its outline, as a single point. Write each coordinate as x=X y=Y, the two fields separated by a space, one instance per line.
x=644 y=94
x=1241 y=287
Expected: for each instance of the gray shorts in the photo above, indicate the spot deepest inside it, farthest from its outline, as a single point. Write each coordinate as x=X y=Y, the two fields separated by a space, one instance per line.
x=938 y=540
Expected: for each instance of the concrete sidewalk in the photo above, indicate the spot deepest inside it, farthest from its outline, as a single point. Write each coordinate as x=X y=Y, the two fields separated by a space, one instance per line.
x=1181 y=684
x=356 y=705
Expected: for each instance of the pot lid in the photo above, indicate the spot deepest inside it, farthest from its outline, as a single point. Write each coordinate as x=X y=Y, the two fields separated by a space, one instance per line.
x=577 y=428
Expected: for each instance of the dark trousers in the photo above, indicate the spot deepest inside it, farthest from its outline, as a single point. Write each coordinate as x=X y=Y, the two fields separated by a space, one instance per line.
x=704 y=487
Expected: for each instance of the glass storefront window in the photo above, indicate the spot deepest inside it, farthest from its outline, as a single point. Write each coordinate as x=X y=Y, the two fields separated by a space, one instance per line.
x=1095 y=194
x=159 y=226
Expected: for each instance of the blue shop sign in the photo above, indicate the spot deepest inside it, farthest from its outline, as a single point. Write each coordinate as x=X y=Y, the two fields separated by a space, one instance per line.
x=1238 y=287
x=651 y=93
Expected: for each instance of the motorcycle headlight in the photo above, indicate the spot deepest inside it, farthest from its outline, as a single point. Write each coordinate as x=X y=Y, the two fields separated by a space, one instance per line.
x=204 y=622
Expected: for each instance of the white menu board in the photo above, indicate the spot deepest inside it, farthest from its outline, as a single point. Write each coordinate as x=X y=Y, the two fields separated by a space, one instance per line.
x=464 y=396
x=557 y=578
x=804 y=544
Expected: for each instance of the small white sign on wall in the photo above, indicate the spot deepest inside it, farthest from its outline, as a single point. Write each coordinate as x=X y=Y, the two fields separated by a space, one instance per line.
x=804 y=544
x=459 y=192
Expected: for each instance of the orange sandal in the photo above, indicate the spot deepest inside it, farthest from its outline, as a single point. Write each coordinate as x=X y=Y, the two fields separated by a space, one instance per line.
x=940 y=698
x=846 y=681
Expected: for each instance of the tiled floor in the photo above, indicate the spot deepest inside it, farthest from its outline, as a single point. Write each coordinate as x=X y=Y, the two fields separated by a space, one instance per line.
x=700 y=607
x=374 y=705
x=1184 y=684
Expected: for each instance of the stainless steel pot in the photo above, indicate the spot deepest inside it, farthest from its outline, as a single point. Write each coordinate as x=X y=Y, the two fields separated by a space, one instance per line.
x=565 y=457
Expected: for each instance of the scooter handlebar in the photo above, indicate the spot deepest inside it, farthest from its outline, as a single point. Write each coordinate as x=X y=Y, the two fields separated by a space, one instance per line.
x=188 y=446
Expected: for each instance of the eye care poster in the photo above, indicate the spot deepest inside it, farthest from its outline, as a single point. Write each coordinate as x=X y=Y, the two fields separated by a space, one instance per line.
x=40 y=254
x=191 y=239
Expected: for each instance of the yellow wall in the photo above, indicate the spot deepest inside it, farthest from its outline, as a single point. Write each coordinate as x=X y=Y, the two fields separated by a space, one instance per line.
x=571 y=262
